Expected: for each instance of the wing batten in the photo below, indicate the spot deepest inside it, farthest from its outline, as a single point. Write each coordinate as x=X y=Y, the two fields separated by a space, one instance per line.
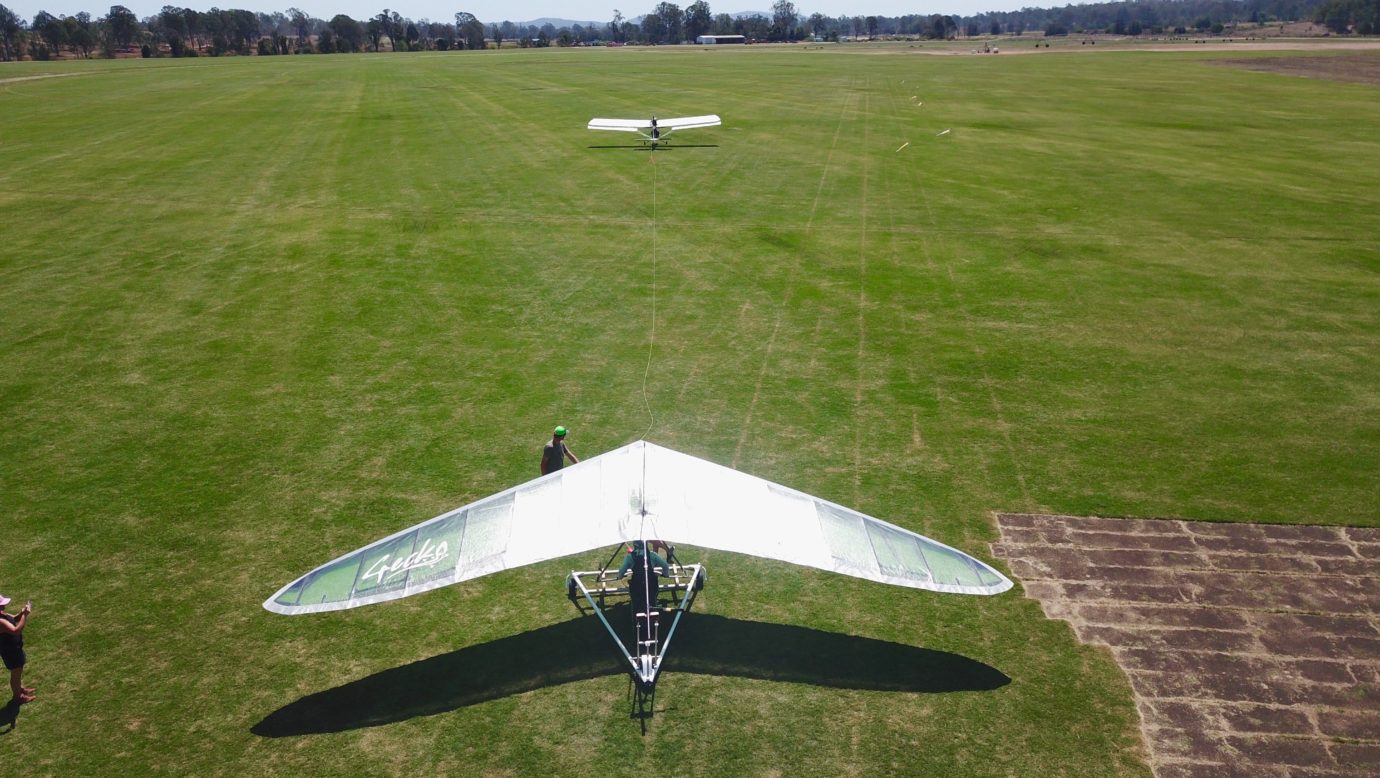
x=600 y=502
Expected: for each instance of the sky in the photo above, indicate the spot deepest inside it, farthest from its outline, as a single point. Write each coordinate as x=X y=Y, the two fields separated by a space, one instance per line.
x=526 y=10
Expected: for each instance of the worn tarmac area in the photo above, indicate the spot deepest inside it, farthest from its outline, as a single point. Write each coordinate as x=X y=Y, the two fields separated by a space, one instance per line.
x=1252 y=649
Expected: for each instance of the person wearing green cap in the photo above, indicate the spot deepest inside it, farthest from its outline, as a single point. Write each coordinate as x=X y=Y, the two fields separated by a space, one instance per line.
x=554 y=454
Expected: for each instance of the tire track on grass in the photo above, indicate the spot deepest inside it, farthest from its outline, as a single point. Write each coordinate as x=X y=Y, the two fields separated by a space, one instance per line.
x=862 y=299
x=897 y=258
x=790 y=281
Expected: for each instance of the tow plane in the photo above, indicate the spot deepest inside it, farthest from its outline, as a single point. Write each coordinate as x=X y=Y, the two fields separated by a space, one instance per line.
x=653 y=132
x=640 y=500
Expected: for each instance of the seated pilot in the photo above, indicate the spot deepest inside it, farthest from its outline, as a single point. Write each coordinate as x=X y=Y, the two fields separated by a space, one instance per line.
x=644 y=564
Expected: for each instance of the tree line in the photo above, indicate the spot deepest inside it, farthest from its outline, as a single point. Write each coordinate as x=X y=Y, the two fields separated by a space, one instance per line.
x=186 y=32
x=1161 y=17
x=1341 y=16
x=179 y=32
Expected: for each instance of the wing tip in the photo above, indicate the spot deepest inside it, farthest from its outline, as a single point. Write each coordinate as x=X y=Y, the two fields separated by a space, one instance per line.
x=272 y=606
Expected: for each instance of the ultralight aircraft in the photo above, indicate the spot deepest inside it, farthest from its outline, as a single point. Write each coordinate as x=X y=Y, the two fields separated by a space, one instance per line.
x=637 y=499
x=653 y=131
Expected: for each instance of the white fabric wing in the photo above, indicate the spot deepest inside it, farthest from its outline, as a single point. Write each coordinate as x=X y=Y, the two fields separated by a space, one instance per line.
x=637 y=125
x=703 y=504
x=619 y=125
x=688 y=122
x=600 y=502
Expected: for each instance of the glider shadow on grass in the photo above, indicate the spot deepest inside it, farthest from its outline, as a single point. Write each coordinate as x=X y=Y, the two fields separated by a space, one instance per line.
x=578 y=650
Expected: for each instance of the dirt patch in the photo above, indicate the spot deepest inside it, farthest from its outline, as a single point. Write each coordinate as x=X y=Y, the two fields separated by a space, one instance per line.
x=1355 y=68
x=1252 y=649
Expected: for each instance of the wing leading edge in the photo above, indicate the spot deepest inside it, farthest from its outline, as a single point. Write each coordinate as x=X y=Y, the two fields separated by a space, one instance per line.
x=600 y=502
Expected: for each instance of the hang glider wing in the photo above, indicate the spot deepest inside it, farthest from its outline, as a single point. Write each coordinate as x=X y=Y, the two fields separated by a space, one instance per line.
x=600 y=502
x=699 y=503
x=575 y=509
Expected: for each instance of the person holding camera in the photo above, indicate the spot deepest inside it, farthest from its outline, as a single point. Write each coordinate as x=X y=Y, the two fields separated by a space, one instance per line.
x=12 y=647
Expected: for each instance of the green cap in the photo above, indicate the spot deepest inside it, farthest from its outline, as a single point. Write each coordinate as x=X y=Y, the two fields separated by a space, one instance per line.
x=560 y=432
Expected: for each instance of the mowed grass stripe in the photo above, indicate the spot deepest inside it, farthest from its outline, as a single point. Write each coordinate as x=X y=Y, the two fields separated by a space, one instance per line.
x=802 y=250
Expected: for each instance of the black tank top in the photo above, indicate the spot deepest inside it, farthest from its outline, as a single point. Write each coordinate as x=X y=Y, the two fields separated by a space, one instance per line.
x=11 y=639
x=553 y=457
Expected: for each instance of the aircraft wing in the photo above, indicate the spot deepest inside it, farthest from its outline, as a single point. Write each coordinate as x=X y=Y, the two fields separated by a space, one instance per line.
x=600 y=502
x=666 y=125
x=689 y=122
x=620 y=125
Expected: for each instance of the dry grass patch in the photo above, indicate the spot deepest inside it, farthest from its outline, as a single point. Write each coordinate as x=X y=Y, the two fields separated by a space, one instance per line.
x=1355 y=68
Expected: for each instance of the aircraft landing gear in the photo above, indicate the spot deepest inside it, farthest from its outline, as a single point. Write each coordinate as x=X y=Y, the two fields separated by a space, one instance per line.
x=643 y=698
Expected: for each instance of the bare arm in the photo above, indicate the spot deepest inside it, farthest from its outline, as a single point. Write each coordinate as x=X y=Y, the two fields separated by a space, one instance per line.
x=17 y=626
x=570 y=454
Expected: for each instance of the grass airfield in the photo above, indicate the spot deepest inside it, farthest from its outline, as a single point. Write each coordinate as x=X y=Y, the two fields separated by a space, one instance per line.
x=260 y=312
